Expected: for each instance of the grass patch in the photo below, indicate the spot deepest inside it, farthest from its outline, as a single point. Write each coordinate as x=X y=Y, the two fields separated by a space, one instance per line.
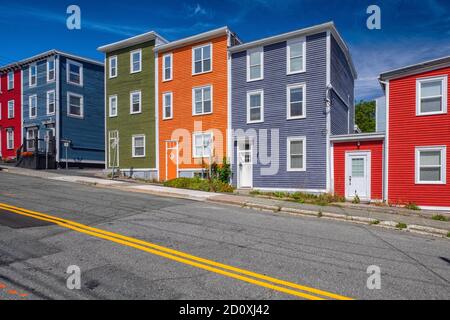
x=439 y=217
x=412 y=206
x=401 y=226
x=300 y=197
x=213 y=185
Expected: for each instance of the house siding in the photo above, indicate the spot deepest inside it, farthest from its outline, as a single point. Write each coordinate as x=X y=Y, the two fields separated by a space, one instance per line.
x=16 y=122
x=313 y=127
x=408 y=131
x=86 y=134
x=184 y=124
x=376 y=178
x=342 y=81
x=133 y=124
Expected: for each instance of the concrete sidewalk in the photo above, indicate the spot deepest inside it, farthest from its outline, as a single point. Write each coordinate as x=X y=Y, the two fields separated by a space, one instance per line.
x=417 y=222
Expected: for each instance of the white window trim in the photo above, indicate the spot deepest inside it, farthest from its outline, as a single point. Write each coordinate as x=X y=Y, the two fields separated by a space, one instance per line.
x=110 y=68
x=111 y=115
x=131 y=61
x=13 y=106
x=193 y=101
x=164 y=67
x=193 y=58
x=8 y=133
x=29 y=106
x=48 y=69
x=81 y=116
x=164 y=105
x=289 y=140
x=288 y=51
x=48 y=102
x=140 y=102
x=34 y=65
x=288 y=99
x=8 y=82
x=203 y=156
x=134 y=145
x=444 y=80
x=443 y=150
x=68 y=63
x=261 y=52
x=249 y=93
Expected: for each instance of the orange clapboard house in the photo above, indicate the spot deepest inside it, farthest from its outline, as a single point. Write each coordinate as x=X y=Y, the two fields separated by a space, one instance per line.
x=193 y=103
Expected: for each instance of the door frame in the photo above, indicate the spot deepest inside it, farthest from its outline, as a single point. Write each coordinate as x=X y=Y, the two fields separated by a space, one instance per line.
x=238 y=153
x=167 y=158
x=368 y=155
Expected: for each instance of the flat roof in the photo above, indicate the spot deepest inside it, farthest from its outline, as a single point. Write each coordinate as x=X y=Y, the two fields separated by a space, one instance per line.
x=45 y=55
x=425 y=66
x=141 y=38
x=193 y=39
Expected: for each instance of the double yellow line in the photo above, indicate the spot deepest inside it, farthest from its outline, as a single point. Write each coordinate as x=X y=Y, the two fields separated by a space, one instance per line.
x=181 y=257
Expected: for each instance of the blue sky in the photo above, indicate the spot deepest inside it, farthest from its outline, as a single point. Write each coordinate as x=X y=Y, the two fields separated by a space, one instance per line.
x=412 y=30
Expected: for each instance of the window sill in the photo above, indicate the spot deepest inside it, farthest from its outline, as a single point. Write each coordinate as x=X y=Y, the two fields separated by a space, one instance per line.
x=431 y=113
x=200 y=73
x=295 y=72
x=75 y=116
x=202 y=114
x=434 y=183
x=254 y=80
x=296 y=170
x=75 y=84
x=295 y=118
x=134 y=72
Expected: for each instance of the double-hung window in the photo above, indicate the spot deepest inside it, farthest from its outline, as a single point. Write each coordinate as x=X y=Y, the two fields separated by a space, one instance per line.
x=10 y=109
x=255 y=106
x=202 y=145
x=431 y=165
x=431 y=96
x=136 y=61
x=167 y=67
x=296 y=154
x=75 y=106
x=32 y=106
x=113 y=106
x=296 y=52
x=10 y=80
x=168 y=105
x=135 y=102
x=51 y=101
x=255 y=64
x=32 y=72
x=50 y=69
x=74 y=73
x=138 y=144
x=202 y=100
x=10 y=139
x=296 y=102
x=31 y=136
x=113 y=67
x=202 y=59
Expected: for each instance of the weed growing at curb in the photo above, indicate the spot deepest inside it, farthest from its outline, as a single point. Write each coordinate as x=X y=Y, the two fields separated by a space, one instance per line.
x=412 y=206
x=374 y=223
x=401 y=226
x=439 y=217
x=448 y=235
x=320 y=214
x=356 y=200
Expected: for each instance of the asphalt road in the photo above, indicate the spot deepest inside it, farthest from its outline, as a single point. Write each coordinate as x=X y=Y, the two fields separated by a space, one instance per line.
x=321 y=254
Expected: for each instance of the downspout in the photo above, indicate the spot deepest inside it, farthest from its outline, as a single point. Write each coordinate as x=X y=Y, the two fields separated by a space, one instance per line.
x=386 y=145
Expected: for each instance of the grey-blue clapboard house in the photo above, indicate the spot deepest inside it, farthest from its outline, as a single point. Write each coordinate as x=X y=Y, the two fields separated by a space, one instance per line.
x=289 y=94
x=63 y=97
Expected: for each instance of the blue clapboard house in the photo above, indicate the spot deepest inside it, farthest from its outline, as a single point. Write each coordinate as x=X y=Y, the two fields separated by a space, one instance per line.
x=63 y=102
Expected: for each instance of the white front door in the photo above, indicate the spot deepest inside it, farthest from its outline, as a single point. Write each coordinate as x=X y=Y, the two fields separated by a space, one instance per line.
x=358 y=175
x=245 y=165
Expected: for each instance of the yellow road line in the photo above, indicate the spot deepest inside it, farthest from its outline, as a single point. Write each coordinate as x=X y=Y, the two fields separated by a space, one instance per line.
x=178 y=256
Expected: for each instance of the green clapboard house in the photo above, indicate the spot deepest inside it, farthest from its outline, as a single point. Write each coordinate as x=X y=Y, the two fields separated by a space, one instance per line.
x=131 y=136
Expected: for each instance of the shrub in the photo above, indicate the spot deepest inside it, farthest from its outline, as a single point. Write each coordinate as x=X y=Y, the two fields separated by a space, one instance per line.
x=222 y=171
x=439 y=217
x=401 y=226
x=212 y=185
x=412 y=206
x=356 y=200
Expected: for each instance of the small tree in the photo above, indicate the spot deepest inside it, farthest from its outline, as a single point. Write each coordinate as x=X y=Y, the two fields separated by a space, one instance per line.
x=365 y=112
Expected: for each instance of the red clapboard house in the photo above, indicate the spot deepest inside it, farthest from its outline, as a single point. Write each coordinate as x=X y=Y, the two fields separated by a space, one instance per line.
x=418 y=134
x=10 y=111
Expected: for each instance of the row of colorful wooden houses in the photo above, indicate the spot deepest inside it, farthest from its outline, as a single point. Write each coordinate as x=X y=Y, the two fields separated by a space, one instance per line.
x=280 y=109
